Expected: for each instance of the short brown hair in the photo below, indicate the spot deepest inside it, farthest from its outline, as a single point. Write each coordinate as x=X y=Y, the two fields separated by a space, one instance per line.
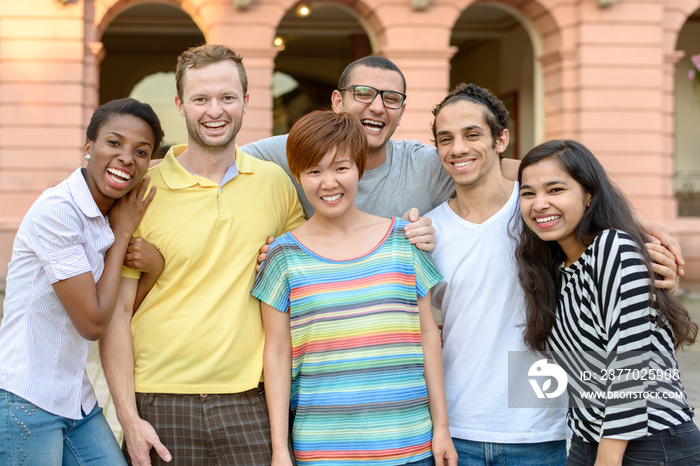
x=203 y=55
x=318 y=132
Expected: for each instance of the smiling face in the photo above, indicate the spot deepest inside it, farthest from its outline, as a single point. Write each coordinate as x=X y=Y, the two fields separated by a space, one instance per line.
x=213 y=104
x=465 y=145
x=119 y=158
x=552 y=204
x=331 y=185
x=379 y=122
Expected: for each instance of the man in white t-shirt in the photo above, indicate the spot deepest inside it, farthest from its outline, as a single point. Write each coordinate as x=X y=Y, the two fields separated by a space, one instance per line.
x=480 y=297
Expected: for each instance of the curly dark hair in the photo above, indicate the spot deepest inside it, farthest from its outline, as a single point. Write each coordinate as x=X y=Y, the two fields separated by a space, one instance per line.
x=496 y=114
x=538 y=261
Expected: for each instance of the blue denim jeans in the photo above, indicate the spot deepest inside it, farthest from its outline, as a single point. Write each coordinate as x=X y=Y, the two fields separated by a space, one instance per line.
x=510 y=454
x=676 y=446
x=31 y=436
x=430 y=461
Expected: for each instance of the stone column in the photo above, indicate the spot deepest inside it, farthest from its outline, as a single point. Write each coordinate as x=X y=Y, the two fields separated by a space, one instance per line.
x=41 y=104
x=427 y=74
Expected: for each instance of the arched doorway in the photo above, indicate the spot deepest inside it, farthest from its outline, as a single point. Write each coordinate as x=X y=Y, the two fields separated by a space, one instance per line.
x=316 y=41
x=687 y=119
x=158 y=89
x=495 y=51
x=142 y=44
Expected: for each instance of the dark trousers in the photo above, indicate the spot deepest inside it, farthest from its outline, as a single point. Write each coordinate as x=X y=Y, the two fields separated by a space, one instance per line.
x=228 y=429
x=676 y=446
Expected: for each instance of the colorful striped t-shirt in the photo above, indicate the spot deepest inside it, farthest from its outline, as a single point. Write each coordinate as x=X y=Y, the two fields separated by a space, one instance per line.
x=357 y=360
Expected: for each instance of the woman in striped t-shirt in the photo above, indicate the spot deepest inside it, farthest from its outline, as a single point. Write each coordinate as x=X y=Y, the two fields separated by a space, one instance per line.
x=591 y=300
x=346 y=309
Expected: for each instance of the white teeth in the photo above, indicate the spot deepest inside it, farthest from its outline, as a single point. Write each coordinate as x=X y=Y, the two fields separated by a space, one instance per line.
x=372 y=125
x=551 y=218
x=463 y=164
x=331 y=198
x=215 y=125
x=119 y=173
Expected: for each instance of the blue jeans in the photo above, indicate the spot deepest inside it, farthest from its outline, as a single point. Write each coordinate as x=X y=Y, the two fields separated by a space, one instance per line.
x=31 y=436
x=510 y=454
x=676 y=446
x=430 y=461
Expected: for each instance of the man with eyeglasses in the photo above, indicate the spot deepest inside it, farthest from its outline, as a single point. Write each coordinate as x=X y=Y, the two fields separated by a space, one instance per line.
x=399 y=175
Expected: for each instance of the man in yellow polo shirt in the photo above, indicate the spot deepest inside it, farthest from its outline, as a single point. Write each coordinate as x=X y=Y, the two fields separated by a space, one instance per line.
x=191 y=388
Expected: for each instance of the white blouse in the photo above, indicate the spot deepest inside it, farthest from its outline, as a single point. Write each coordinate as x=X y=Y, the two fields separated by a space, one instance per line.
x=42 y=355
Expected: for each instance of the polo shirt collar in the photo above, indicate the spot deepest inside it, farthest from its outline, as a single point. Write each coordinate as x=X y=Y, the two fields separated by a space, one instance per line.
x=244 y=161
x=177 y=177
x=81 y=194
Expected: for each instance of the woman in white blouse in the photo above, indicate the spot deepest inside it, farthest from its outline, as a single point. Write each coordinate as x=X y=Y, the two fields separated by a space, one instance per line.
x=62 y=287
x=591 y=300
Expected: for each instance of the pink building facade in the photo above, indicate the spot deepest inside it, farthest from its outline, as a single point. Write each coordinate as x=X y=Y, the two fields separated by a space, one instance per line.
x=610 y=73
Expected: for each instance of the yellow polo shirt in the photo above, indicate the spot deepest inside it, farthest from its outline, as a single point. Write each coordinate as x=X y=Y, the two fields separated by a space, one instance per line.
x=199 y=330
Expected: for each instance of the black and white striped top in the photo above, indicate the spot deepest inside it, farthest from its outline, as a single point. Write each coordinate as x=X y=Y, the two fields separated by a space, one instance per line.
x=606 y=327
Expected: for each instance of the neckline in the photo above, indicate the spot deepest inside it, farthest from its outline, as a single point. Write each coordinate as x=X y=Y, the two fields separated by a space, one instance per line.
x=506 y=209
x=582 y=258
x=343 y=261
x=381 y=170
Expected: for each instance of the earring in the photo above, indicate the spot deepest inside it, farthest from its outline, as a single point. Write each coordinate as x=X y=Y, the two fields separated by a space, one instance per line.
x=589 y=203
x=87 y=157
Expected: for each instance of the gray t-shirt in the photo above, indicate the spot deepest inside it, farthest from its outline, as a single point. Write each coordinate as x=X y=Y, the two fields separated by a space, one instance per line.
x=411 y=176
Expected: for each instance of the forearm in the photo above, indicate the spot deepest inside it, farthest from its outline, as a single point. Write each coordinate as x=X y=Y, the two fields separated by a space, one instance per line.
x=433 y=369
x=277 y=393
x=146 y=283
x=107 y=287
x=277 y=372
x=91 y=306
x=117 y=356
x=610 y=452
x=434 y=379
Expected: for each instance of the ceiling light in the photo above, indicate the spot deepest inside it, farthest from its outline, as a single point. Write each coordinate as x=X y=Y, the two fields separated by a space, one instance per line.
x=303 y=10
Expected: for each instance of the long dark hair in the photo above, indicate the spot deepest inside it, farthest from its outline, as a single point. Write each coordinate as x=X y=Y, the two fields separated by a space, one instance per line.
x=538 y=261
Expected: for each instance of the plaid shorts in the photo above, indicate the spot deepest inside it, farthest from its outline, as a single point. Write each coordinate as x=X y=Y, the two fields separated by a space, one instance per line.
x=222 y=430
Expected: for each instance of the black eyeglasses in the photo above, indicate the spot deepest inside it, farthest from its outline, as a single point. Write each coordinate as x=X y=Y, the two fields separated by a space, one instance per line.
x=367 y=94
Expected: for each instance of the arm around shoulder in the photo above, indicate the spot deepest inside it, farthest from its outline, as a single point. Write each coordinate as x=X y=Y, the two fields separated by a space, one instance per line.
x=272 y=149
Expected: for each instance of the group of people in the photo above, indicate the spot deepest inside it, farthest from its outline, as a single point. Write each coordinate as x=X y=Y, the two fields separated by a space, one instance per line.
x=330 y=353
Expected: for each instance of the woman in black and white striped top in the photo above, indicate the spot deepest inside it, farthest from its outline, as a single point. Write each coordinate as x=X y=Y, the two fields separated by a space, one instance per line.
x=592 y=302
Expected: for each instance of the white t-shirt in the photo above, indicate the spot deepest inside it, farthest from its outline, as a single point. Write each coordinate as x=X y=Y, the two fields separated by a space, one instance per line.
x=482 y=307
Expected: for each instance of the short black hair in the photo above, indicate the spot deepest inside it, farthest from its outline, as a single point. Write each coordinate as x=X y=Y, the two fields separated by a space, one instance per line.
x=127 y=106
x=371 y=61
